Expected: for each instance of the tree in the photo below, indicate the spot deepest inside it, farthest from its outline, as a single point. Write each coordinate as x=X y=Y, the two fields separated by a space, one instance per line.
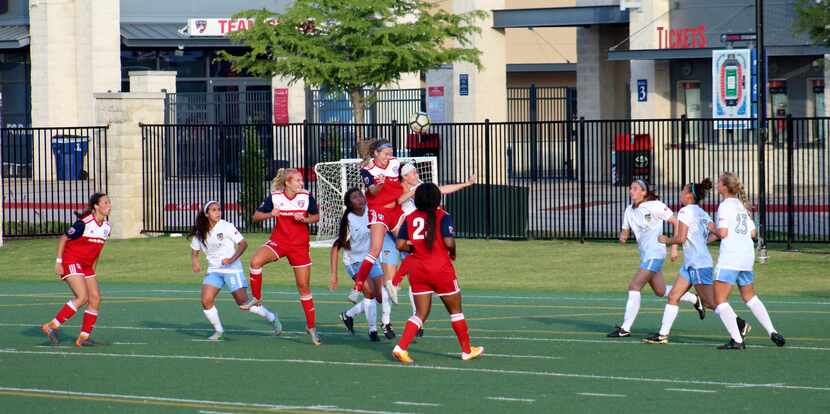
x=354 y=45
x=814 y=20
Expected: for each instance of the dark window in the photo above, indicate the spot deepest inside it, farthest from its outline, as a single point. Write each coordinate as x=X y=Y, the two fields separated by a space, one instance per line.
x=186 y=63
x=135 y=60
x=190 y=86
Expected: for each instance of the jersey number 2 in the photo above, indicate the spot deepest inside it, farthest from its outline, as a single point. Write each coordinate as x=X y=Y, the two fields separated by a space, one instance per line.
x=418 y=234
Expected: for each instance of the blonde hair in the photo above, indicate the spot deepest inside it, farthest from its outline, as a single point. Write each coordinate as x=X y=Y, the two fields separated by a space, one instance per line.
x=365 y=150
x=278 y=183
x=733 y=184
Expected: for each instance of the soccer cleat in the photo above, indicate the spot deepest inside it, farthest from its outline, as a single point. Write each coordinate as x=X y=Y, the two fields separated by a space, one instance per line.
x=656 y=339
x=733 y=345
x=50 y=333
x=420 y=333
x=744 y=327
x=277 y=326
x=217 y=336
x=388 y=332
x=247 y=306
x=354 y=296
x=373 y=336
x=701 y=310
x=393 y=292
x=315 y=339
x=348 y=321
x=619 y=333
x=475 y=352
x=84 y=341
x=402 y=356
x=777 y=338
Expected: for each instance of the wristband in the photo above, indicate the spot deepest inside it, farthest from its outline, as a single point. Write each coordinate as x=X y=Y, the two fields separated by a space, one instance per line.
x=58 y=260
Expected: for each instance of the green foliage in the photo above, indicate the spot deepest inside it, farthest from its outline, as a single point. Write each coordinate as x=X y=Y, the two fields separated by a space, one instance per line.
x=253 y=176
x=814 y=20
x=352 y=45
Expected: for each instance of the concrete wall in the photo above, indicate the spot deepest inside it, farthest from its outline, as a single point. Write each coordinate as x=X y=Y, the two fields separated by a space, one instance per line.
x=602 y=85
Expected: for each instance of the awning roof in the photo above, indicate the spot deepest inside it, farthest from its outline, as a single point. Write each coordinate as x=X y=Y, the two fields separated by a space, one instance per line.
x=166 y=35
x=559 y=17
x=703 y=53
x=14 y=37
x=541 y=67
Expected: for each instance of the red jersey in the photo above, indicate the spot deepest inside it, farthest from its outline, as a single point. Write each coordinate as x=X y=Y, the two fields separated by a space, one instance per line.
x=413 y=229
x=287 y=231
x=392 y=187
x=86 y=240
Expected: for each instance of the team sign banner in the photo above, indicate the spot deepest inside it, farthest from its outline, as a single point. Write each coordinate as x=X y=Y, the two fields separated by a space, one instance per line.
x=220 y=27
x=732 y=88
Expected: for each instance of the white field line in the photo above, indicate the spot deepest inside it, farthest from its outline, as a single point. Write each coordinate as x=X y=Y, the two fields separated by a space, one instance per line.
x=596 y=394
x=524 y=400
x=422 y=367
x=512 y=356
x=493 y=338
x=691 y=390
x=129 y=343
x=417 y=404
x=130 y=397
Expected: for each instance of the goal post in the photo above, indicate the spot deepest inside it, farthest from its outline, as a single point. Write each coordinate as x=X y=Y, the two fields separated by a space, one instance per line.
x=336 y=177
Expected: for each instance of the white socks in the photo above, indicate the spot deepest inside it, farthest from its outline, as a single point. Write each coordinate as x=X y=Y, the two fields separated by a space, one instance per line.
x=370 y=306
x=730 y=321
x=669 y=315
x=356 y=309
x=760 y=311
x=212 y=315
x=386 y=316
x=632 y=308
x=687 y=297
x=263 y=312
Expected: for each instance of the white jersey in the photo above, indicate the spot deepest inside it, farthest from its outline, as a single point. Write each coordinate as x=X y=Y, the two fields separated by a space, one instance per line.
x=220 y=244
x=737 y=251
x=695 y=253
x=359 y=238
x=646 y=221
x=408 y=206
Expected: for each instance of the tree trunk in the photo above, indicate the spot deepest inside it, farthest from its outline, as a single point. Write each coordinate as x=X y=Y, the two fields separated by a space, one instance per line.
x=358 y=110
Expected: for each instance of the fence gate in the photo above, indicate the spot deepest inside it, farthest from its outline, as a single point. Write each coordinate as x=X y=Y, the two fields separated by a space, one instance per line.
x=226 y=108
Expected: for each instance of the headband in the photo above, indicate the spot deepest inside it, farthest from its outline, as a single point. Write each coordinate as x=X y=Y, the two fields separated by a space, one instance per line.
x=694 y=188
x=642 y=184
x=207 y=205
x=407 y=168
x=383 y=146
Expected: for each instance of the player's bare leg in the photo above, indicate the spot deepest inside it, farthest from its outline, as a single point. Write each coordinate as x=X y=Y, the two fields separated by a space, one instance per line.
x=262 y=257
x=91 y=312
x=377 y=232
x=302 y=277
x=423 y=305
x=78 y=287
x=459 y=325
x=251 y=305
x=209 y=294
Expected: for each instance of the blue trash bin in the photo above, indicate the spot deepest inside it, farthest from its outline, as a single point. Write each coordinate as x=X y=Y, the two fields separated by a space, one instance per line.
x=69 y=151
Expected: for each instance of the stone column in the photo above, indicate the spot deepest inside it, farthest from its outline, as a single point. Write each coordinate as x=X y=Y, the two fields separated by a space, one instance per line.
x=153 y=81
x=123 y=112
x=644 y=21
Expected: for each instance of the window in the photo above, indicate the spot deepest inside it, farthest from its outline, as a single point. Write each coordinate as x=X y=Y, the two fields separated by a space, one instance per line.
x=186 y=63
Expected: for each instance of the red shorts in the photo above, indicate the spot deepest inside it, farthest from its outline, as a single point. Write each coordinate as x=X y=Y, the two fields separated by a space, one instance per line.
x=297 y=256
x=442 y=282
x=389 y=217
x=76 y=269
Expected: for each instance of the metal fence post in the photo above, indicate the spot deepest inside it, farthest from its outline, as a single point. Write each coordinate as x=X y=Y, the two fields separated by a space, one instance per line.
x=306 y=150
x=393 y=136
x=582 y=190
x=534 y=138
x=488 y=195
x=684 y=130
x=790 y=184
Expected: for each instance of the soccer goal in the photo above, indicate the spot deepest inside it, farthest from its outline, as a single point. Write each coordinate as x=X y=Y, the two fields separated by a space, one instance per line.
x=336 y=177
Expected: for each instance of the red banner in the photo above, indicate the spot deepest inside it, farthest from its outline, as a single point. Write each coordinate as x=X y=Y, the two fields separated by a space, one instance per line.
x=281 y=106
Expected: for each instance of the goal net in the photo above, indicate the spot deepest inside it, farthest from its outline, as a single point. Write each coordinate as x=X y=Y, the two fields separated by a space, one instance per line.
x=336 y=177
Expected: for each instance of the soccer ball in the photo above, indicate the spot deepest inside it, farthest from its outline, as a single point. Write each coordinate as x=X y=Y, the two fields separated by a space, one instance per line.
x=419 y=122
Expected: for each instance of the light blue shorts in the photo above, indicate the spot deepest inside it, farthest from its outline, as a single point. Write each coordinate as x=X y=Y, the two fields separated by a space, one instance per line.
x=234 y=281
x=654 y=265
x=389 y=254
x=702 y=276
x=739 y=277
x=375 y=273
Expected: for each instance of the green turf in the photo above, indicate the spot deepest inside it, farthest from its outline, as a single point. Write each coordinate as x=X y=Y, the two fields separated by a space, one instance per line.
x=541 y=309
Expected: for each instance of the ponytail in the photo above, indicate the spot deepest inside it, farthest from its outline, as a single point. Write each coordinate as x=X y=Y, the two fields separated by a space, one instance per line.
x=278 y=183
x=735 y=187
x=94 y=199
x=700 y=189
x=427 y=199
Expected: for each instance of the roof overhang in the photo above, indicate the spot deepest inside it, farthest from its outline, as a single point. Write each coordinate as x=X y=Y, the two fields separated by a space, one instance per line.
x=167 y=35
x=559 y=17
x=541 y=67
x=704 y=53
x=14 y=36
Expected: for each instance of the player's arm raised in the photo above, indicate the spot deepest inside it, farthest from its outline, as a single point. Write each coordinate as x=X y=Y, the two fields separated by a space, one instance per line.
x=451 y=188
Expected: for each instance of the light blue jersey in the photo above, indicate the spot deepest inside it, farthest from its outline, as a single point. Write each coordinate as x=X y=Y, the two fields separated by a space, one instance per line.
x=646 y=222
x=695 y=253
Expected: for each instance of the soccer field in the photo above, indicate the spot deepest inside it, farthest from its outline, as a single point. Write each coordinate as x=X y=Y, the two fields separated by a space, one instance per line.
x=541 y=309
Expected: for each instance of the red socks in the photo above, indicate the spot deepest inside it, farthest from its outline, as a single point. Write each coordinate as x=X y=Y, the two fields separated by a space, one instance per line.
x=308 y=308
x=410 y=330
x=363 y=272
x=67 y=311
x=90 y=316
x=459 y=325
x=402 y=271
x=256 y=283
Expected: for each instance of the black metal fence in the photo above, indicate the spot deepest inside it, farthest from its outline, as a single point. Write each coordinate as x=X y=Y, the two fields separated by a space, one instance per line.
x=554 y=179
x=47 y=174
x=386 y=106
x=229 y=108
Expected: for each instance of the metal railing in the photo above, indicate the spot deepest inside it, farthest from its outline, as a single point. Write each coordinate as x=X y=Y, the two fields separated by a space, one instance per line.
x=230 y=108
x=552 y=179
x=47 y=175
